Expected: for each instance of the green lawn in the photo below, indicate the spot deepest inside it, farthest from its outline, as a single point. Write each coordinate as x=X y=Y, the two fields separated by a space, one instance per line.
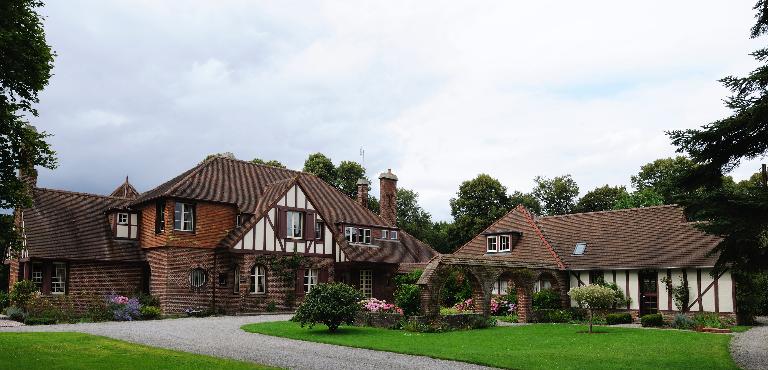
x=82 y=351
x=538 y=346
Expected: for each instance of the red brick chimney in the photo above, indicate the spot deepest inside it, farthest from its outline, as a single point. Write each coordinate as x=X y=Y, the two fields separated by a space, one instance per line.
x=362 y=192
x=388 y=186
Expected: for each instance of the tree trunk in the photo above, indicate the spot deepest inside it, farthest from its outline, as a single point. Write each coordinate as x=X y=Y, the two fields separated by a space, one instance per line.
x=590 y=321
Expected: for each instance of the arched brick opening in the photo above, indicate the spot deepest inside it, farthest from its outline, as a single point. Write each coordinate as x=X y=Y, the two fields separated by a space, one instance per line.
x=558 y=282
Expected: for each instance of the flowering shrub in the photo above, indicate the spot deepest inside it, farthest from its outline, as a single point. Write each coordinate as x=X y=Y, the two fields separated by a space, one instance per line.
x=465 y=306
x=501 y=306
x=375 y=305
x=124 y=308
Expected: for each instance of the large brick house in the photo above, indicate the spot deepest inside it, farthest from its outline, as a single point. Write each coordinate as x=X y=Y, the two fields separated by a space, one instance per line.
x=634 y=248
x=226 y=234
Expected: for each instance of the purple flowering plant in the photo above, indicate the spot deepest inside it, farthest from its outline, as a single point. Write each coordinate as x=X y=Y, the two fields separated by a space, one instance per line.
x=124 y=308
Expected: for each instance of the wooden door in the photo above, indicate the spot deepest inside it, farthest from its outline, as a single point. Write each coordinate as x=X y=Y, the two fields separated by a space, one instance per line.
x=649 y=292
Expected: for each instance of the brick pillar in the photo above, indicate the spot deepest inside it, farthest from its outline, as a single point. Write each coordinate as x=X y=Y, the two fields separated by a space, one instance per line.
x=524 y=308
x=429 y=297
x=388 y=194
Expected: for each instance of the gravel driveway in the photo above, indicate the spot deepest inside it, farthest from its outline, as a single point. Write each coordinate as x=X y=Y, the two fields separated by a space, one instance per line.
x=750 y=348
x=222 y=337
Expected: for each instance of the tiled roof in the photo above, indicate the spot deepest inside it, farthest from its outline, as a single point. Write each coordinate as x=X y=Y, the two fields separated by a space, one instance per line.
x=531 y=247
x=74 y=226
x=630 y=238
x=125 y=190
x=254 y=188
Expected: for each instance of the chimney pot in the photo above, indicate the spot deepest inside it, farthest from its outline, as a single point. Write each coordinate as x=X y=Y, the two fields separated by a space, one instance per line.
x=388 y=193
x=362 y=192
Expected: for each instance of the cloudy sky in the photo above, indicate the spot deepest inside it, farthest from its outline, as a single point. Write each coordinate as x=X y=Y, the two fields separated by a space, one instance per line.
x=438 y=93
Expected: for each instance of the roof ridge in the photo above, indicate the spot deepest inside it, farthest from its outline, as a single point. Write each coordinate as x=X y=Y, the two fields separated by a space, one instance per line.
x=611 y=211
x=194 y=171
x=79 y=193
x=258 y=164
x=538 y=231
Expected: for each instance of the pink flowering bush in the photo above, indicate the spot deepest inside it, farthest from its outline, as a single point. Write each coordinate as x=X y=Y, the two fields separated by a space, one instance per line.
x=376 y=305
x=124 y=308
x=465 y=306
x=502 y=306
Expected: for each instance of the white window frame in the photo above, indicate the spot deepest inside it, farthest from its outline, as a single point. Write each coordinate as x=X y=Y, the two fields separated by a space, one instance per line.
x=294 y=224
x=37 y=274
x=393 y=234
x=310 y=279
x=59 y=278
x=366 y=236
x=384 y=234
x=498 y=285
x=350 y=233
x=503 y=243
x=319 y=229
x=580 y=248
x=122 y=218
x=488 y=244
x=185 y=217
x=197 y=281
x=258 y=279
x=366 y=283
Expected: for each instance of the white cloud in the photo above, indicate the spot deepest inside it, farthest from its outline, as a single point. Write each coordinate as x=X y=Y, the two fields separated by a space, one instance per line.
x=437 y=91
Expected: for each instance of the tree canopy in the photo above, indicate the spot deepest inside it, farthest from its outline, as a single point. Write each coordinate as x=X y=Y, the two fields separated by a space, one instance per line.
x=738 y=214
x=663 y=176
x=601 y=199
x=321 y=166
x=272 y=163
x=557 y=195
x=26 y=61
x=477 y=204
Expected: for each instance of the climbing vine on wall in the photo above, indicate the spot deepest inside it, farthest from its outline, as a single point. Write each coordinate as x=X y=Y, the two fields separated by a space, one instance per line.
x=680 y=293
x=284 y=267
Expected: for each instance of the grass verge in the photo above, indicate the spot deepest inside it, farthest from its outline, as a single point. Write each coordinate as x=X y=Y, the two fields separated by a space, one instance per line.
x=83 y=351
x=538 y=346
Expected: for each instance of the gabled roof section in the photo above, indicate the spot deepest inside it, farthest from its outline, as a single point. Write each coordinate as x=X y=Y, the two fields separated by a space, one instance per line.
x=125 y=190
x=652 y=237
x=531 y=248
x=74 y=226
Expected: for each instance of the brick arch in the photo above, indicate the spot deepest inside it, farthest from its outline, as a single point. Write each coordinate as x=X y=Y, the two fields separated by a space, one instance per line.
x=483 y=273
x=559 y=282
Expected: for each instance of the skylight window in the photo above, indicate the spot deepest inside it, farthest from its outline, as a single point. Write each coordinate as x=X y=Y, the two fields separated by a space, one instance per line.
x=580 y=248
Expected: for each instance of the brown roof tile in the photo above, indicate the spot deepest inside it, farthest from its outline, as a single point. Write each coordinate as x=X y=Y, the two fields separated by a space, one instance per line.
x=74 y=226
x=630 y=238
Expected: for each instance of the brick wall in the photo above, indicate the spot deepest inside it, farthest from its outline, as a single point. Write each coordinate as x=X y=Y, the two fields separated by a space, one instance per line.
x=212 y=223
x=105 y=278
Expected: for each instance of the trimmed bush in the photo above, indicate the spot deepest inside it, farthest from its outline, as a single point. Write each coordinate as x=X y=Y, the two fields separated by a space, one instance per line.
x=618 y=318
x=652 y=320
x=546 y=299
x=555 y=316
x=329 y=304
x=409 y=278
x=150 y=312
x=408 y=297
x=50 y=310
x=16 y=314
x=682 y=321
x=147 y=299
x=22 y=292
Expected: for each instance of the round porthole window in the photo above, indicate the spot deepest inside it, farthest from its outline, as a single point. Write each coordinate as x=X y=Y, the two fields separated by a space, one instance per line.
x=197 y=278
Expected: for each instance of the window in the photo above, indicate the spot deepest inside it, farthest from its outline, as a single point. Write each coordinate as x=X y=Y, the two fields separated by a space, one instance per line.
x=258 y=279
x=355 y=235
x=310 y=279
x=366 y=283
x=159 y=217
x=596 y=277
x=504 y=243
x=59 y=278
x=579 y=249
x=197 y=278
x=122 y=219
x=239 y=220
x=223 y=279
x=319 y=229
x=236 y=282
x=184 y=217
x=385 y=234
x=541 y=284
x=37 y=275
x=491 y=243
x=350 y=233
x=295 y=224
x=393 y=234
x=500 y=286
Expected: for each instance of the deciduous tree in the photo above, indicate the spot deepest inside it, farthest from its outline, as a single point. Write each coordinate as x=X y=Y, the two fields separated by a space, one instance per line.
x=557 y=195
x=321 y=166
x=601 y=199
x=663 y=176
x=478 y=203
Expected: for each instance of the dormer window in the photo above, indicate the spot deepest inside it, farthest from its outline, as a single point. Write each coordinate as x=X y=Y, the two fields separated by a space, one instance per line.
x=503 y=243
x=393 y=234
x=580 y=248
x=184 y=217
x=357 y=235
x=385 y=234
x=127 y=225
x=492 y=244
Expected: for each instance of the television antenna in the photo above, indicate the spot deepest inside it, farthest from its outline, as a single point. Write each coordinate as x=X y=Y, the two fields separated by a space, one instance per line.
x=362 y=157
